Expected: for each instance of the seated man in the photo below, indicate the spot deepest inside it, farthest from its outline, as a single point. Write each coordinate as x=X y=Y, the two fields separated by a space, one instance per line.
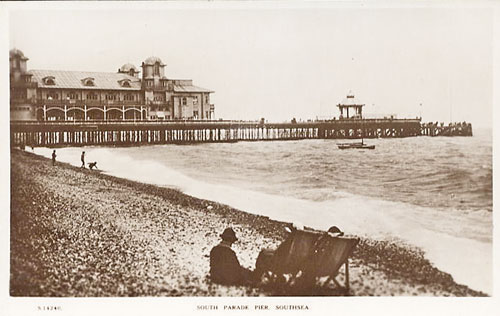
x=224 y=265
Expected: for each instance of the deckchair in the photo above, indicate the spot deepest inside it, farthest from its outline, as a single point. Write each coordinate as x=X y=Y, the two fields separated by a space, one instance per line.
x=316 y=254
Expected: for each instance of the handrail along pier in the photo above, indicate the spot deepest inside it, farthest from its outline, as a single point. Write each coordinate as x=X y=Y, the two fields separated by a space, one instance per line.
x=129 y=133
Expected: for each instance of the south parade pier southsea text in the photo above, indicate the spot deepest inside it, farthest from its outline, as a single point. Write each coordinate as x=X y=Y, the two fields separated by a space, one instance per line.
x=246 y=307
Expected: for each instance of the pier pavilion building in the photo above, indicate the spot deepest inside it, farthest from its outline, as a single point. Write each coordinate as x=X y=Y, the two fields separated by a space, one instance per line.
x=60 y=95
x=350 y=103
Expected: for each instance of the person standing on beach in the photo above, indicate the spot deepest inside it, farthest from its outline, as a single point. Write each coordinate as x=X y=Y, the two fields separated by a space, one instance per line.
x=54 y=157
x=83 y=159
x=224 y=265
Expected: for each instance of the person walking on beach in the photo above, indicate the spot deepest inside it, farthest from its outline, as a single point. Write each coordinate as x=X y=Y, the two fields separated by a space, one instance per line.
x=224 y=265
x=54 y=157
x=83 y=159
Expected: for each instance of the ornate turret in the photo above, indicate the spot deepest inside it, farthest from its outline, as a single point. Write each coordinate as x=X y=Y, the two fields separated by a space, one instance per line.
x=22 y=89
x=129 y=69
x=153 y=67
x=18 y=66
x=153 y=72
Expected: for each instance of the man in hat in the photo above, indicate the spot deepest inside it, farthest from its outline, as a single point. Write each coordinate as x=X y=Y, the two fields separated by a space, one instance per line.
x=224 y=265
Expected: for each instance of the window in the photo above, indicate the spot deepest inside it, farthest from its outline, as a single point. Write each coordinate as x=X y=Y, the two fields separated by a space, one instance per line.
x=27 y=79
x=184 y=101
x=129 y=97
x=91 y=96
x=52 y=96
x=206 y=98
x=164 y=83
x=195 y=114
x=156 y=70
x=19 y=94
x=195 y=99
x=72 y=95
x=158 y=98
x=49 y=81
x=88 y=82
x=110 y=97
x=149 y=83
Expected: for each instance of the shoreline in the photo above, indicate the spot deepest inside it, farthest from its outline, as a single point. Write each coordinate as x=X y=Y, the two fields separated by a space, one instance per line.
x=68 y=225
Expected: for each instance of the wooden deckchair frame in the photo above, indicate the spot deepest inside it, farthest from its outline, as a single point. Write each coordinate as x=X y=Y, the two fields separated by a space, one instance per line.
x=299 y=250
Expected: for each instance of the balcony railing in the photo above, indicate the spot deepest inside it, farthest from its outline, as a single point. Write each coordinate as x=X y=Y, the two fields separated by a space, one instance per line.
x=88 y=103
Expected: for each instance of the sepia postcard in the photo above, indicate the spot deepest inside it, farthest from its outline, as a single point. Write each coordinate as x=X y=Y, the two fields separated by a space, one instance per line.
x=249 y=157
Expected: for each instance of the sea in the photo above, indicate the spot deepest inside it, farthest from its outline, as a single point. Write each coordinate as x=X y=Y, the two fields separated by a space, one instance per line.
x=434 y=193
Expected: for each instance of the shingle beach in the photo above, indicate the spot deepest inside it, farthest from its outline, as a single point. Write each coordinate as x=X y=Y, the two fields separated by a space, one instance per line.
x=81 y=233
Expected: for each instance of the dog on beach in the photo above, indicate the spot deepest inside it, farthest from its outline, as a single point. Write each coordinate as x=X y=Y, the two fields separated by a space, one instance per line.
x=93 y=165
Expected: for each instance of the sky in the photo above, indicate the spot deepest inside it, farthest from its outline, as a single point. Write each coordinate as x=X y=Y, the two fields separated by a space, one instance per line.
x=283 y=62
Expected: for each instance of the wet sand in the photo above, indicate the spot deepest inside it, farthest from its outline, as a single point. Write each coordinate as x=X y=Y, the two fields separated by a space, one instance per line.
x=76 y=232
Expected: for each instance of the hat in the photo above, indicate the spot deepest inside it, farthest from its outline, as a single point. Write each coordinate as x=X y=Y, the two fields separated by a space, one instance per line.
x=229 y=235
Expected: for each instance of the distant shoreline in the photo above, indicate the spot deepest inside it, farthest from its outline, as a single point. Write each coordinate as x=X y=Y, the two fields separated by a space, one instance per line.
x=81 y=233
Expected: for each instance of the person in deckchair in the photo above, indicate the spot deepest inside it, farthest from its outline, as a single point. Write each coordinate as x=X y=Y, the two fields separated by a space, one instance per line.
x=224 y=265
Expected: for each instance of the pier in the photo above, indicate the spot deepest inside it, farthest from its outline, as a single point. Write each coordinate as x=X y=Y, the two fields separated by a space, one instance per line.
x=132 y=133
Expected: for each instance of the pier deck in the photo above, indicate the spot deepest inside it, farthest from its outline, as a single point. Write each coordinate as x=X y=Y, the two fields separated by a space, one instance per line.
x=127 y=133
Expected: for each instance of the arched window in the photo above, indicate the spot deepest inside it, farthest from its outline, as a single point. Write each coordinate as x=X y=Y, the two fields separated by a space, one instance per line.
x=88 y=82
x=50 y=81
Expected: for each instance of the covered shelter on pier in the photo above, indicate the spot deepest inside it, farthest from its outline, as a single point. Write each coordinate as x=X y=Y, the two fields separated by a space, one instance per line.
x=350 y=103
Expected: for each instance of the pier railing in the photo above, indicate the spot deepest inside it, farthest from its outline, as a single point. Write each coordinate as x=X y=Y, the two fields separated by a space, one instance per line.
x=135 y=132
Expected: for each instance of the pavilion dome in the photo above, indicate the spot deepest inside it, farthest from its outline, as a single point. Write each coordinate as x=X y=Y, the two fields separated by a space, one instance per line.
x=127 y=68
x=153 y=60
x=16 y=53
